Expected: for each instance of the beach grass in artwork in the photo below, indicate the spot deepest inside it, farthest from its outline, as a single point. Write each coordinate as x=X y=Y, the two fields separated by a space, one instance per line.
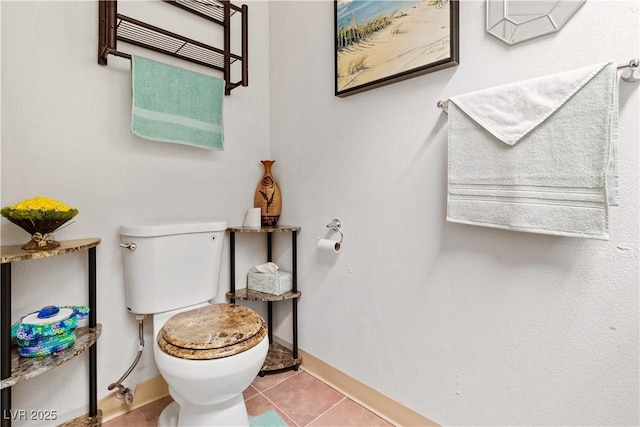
x=355 y=32
x=382 y=38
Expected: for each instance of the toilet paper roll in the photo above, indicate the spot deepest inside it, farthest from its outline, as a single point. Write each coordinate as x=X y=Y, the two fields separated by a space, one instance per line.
x=252 y=218
x=329 y=245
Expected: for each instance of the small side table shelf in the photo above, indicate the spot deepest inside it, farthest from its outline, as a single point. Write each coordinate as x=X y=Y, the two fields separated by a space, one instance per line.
x=278 y=358
x=16 y=369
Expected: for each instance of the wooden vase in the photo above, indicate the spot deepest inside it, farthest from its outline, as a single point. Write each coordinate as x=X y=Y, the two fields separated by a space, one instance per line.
x=268 y=197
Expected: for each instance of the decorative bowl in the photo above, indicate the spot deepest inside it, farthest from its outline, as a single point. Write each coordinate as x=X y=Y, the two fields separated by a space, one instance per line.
x=39 y=217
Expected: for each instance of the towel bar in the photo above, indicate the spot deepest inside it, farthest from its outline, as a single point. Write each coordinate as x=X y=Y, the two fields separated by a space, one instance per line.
x=631 y=74
x=114 y=27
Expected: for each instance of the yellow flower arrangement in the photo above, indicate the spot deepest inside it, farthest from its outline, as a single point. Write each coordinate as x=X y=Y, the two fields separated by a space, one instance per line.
x=41 y=203
x=39 y=216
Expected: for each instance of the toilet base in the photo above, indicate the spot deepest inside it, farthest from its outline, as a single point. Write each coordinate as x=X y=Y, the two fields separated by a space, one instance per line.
x=232 y=413
x=169 y=416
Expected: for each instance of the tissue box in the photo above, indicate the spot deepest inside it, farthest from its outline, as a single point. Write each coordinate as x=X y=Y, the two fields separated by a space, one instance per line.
x=270 y=283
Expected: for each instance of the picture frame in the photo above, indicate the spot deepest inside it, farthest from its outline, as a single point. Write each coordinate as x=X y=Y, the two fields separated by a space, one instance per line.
x=379 y=42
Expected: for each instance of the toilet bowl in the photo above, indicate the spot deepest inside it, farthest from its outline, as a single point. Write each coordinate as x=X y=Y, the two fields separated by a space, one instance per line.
x=207 y=353
x=207 y=384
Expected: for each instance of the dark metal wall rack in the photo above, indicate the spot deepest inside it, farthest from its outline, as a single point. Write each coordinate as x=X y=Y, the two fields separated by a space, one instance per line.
x=114 y=27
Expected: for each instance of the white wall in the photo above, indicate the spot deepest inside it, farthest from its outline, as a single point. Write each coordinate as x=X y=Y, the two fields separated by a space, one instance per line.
x=65 y=134
x=466 y=325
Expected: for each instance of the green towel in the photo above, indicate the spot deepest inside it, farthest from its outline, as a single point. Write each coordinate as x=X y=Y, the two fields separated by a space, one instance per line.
x=171 y=104
x=270 y=418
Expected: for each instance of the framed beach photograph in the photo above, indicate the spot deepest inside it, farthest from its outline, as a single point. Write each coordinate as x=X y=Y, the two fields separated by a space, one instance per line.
x=379 y=42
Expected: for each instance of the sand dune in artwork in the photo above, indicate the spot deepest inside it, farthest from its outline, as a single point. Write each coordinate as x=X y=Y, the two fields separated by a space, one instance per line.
x=419 y=38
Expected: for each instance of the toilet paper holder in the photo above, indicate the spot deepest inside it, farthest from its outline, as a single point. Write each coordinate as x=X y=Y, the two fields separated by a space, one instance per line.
x=336 y=226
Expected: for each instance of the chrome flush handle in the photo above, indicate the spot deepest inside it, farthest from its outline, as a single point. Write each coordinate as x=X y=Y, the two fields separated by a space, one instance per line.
x=130 y=246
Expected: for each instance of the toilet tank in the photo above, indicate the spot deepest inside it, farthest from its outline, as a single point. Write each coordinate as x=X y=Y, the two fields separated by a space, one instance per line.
x=171 y=264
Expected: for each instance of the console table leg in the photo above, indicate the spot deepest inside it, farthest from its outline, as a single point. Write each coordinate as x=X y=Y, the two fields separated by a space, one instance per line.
x=232 y=264
x=270 y=320
x=294 y=302
x=5 y=336
x=93 y=350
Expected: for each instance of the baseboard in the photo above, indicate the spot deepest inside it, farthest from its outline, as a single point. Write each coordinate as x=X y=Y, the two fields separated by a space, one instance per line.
x=383 y=406
x=146 y=392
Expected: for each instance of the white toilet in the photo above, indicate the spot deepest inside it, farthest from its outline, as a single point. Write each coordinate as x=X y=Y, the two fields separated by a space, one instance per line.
x=207 y=353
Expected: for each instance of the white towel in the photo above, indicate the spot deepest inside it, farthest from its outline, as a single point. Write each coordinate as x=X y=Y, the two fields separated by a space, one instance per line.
x=537 y=156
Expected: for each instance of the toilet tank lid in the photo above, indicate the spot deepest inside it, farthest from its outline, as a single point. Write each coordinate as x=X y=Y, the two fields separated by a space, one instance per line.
x=154 y=228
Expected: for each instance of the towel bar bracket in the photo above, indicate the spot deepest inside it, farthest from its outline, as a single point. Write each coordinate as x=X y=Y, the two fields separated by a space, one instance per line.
x=114 y=27
x=631 y=71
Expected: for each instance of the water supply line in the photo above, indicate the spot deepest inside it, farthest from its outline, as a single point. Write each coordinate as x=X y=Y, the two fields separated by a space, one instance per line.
x=124 y=393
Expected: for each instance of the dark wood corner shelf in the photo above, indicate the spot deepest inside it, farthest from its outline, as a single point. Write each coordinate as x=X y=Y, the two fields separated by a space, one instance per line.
x=85 y=421
x=15 y=369
x=24 y=368
x=265 y=229
x=279 y=357
x=253 y=295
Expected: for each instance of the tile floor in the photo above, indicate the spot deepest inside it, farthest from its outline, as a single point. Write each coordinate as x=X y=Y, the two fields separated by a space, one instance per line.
x=298 y=397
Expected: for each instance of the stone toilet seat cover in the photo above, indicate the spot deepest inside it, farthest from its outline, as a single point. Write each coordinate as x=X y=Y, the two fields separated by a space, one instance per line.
x=212 y=332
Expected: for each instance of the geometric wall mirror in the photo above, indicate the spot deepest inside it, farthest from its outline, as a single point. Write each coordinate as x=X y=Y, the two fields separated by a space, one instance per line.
x=515 y=21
